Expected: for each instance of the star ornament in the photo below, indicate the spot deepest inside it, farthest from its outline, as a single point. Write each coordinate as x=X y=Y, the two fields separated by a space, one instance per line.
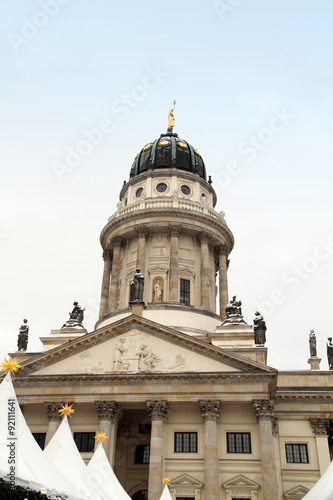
x=10 y=365
x=66 y=409
x=166 y=480
x=101 y=436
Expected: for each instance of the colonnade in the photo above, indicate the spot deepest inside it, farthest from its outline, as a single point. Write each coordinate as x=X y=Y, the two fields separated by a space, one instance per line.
x=110 y=412
x=112 y=263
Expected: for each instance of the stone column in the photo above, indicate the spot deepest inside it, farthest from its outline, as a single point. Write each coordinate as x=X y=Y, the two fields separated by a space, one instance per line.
x=109 y=414
x=143 y=234
x=53 y=415
x=174 y=232
x=158 y=412
x=211 y=411
x=114 y=288
x=107 y=256
x=264 y=412
x=222 y=252
x=203 y=239
x=319 y=427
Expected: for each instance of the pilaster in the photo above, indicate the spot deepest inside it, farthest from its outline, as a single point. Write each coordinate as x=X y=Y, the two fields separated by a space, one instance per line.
x=319 y=428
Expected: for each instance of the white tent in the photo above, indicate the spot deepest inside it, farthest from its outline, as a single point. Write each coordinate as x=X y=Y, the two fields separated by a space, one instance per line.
x=17 y=445
x=323 y=489
x=64 y=455
x=100 y=472
x=166 y=495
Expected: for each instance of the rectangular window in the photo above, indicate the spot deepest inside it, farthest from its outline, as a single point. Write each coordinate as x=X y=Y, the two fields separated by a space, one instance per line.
x=85 y=441
x=40 y=438
x=184 y=297
x=297 y=454
x=238 y=442
x=186 y=442
x=142 y=452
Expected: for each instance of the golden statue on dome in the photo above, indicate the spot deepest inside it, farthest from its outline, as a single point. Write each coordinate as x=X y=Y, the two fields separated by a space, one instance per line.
x=171 y=118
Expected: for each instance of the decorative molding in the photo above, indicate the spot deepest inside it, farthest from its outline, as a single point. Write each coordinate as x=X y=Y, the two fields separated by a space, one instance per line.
x=174 y=230
x=117 y=241
x=108 y=410
x=52 y=410
x=320 y=426
x=204 y=237
x=107 y=255
x=264 y=409
x=142 y=232
x=210 y=410
x=158 y=410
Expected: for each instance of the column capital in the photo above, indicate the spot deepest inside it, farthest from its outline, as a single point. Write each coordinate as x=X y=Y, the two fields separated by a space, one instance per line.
x=221 y=250
x=158 y=410
x=210 y=410
x=174 y=230
x=108 y=410
x=203 y=237
x=117 y=241
x=142 y=232
x=107 y=255
x=264 y=409
x=52 y=410
x=320 y=426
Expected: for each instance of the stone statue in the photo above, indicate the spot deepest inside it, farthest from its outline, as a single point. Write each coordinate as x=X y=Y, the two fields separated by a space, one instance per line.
x=22 y=341
x=118 y=355
x=75 y=317
x=330 y=353
x=147 y=359
x=260 y=328
x=234 y=307
x=136 y=287
x=313 y=344
x=158 y=291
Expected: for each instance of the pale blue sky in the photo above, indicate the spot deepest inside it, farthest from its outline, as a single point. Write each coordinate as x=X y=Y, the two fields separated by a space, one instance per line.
x=233 y=76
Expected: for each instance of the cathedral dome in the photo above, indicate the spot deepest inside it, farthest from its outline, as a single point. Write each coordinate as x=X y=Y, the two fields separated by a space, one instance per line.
x=168 y=151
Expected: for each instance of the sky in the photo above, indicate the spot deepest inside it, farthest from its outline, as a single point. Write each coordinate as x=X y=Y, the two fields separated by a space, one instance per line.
x=85 y=85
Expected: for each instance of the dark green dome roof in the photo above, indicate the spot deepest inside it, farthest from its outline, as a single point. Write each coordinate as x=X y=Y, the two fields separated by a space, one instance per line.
x=169 y=152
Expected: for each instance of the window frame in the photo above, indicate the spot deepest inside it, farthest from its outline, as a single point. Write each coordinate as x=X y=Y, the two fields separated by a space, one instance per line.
x=235 y=444
x=140 y=453
x=185 y=294
x=182 y=434
x=294 y=446
x=79 y=438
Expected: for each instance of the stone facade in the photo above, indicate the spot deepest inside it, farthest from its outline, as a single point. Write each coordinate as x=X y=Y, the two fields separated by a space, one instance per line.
x=179 y=392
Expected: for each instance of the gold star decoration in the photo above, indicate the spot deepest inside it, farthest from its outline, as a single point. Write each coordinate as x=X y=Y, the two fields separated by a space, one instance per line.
x=66 y=409
x=10 y=365
x=101 y=436
x=166 y=480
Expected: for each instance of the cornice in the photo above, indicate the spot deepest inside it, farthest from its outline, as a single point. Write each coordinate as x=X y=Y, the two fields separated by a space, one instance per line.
x=137 y=216
x=142 y=379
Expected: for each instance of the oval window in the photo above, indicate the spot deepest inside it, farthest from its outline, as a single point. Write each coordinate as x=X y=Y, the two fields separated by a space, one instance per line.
x=161 y=187
x=139 y=192
x=185 y=189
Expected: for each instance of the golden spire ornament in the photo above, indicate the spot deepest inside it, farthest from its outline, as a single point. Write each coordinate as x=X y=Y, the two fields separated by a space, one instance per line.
x=101 y=436
x=171 y=118
x=66 y=409
x=166 y=480
x=10 y=365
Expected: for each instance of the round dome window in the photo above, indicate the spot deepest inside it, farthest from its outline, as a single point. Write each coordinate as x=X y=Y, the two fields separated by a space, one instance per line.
x=185 y=189
x=139 y=192
x=161 y=187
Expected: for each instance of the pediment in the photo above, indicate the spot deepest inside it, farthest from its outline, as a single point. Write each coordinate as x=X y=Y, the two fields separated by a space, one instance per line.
x=240 y=481
x=296 y=493
x=187 y=481
x=137 y=345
